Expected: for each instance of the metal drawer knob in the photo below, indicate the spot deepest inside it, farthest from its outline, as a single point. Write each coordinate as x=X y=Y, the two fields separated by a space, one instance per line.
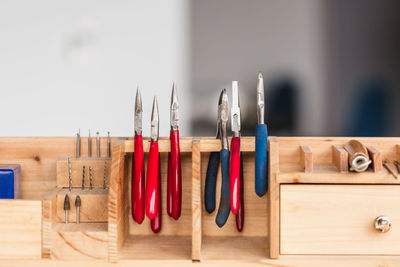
x=383 y=224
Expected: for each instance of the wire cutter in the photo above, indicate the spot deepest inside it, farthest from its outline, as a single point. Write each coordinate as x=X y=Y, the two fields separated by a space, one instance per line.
x=153 y=166
x=138 y=179
x=234 y=168
x=212 y=169
x=174 y=179
x=261 y=160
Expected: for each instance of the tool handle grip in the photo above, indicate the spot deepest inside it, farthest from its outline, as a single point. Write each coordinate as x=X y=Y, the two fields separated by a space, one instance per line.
x=234 y=173
x=261 y=160
x=152 y=195
x=224 y=203
x=138 y=186
x=169 y=186
x=156 y=222
x=240 y=213
x=211 y=181
x=176 y=175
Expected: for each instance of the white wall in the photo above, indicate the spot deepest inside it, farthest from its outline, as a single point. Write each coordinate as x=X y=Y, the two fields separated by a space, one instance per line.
x=75 y=64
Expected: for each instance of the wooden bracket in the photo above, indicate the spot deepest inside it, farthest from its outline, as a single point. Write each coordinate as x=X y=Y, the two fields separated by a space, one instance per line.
x=306 y=158
x=376 y=156
x=340 y=158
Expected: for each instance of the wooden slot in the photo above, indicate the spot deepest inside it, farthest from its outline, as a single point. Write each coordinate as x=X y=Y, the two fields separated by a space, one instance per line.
x=306 y=158
x=376 y=157
x=340 y=158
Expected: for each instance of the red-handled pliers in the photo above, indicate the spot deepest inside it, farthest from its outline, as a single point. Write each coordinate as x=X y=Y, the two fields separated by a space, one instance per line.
x=234 y=167
x=153 y=165
x=174 y=180
x=138 y=180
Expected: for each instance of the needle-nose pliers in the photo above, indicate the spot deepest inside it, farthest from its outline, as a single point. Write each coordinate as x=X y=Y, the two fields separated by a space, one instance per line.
x=138 y=180
x=234 y=169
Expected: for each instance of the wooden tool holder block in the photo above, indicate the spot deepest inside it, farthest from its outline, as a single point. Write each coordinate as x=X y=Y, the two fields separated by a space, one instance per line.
x=321 y=161
x=88 y=239
x=195 y=235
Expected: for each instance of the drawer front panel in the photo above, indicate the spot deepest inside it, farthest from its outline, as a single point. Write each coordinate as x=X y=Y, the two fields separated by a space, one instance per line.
x=339 y=219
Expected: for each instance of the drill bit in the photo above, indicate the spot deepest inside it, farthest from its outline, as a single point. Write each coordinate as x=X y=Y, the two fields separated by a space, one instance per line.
x=90 y=178
x=83 y=177
x=105 y=173
x=108 y=145
x=89 y=145
x=387 y=167
x=67 y=207
x=78 y=144
x=69 y=175
x=397 y=164
x=77 y=205
x=98 y=144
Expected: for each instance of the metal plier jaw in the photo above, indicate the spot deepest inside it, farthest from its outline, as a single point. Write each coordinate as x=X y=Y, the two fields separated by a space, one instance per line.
x=235 y=110
x=138 y=113
x=260 y=100
x=223 y=115
x=174 y=113
x=154 y=121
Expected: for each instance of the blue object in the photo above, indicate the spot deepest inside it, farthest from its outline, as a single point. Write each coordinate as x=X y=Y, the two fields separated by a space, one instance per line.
x=224 y=205
x=261 y=161
x=7 y=184
x=211 y=182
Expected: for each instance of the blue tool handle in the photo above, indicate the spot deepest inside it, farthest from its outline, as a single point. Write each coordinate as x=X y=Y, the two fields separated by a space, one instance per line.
x=211 y=181
x=224 y=204
x=261 y=183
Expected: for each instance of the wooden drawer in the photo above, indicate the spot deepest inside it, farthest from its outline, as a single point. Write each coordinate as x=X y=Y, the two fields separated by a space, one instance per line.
x=339 y=219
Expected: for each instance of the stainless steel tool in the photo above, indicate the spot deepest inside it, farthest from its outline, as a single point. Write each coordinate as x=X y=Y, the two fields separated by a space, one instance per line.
x=108 y=145
x=67 y=207
x=78 y=144
x=78 y=206
x=89 y=145
x=90 y=178
x=69 y=175
x=98 y=144
x=83 y=177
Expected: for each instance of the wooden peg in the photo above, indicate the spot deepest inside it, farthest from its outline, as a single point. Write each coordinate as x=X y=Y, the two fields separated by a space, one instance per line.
x=376 y=157
x=340 y=158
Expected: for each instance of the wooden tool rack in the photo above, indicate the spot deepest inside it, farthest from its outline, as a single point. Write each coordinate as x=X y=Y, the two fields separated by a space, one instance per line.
x=314 y=208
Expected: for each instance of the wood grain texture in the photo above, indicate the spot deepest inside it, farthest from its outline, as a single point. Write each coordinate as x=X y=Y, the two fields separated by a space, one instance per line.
x=79 y=241
x=117 y=203
x=97 y=165
x=240 y=248
x=37 y=157
x=306 y=158
x=338 y=219
x=273 y=198
x=376 y=156
x=49 y=214
x=20 y=229
x=94 y=206
x=340 y=158
x=156 y=247
x=196 y=201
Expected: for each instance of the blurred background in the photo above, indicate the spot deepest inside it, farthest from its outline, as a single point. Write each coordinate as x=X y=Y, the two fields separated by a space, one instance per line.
x=330 y=67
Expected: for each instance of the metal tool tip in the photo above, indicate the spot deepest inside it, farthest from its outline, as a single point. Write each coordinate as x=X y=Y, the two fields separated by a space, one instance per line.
x=66 y=203
x=155 y=107
x=174 y=95
x=260 y=76
x=78 y=201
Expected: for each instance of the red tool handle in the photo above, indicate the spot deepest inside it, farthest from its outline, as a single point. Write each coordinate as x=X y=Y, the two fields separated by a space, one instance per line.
x=169 y=186
x=138 y=188
x=156 y=222
x=240 y=213
x=234 y=174
x=152 y=195
x=176 y=175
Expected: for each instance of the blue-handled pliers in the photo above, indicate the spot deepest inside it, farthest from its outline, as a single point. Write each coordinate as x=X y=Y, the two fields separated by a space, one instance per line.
x=261 y=161
x=213 y=164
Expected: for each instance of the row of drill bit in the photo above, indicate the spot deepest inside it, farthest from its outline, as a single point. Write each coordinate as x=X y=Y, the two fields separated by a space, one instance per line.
x=67 y=207
x=78 y=144
x=83 y=176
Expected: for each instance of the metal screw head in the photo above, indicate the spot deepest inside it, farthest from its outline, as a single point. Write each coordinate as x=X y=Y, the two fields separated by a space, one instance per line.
x=383 y=224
